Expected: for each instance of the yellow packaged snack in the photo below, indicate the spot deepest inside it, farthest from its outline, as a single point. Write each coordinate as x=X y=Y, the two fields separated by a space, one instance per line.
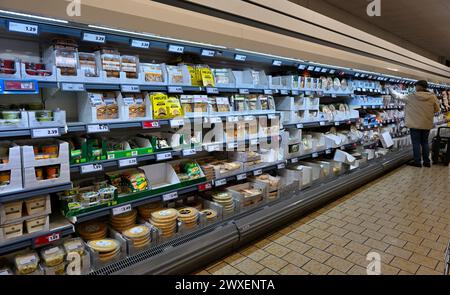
x=207 y=76
x=195 y=81
x=174 y=107
x=159 y=105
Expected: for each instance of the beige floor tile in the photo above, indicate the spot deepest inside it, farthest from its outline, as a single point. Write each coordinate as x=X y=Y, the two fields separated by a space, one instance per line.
x=273 y=262
x=249 y=267
x=394 y=241
x=298 y=247
x=267 y=272
x=337 y=240
x=318 y=243
x=425 y=271
x=319 y=233
x=291 y=269
x=254 y=253
x=354 y=237
x=296 y=259
x=223 y=269
x=423 y=260
x=339 y=264
x=317 y=268
x=234 y=259
x=277 y=250
x=317 y=255
x=416 y=248
x=405 y=265
x=301 y=236
x=357 y=270
x=396 y=251
x=377 y=245
x=373 y=234
x=337 y=231
x=203 y=273
x=338 y=251
x=358 y=248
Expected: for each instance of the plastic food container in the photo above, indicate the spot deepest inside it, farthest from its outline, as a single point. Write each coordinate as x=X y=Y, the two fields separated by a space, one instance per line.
x=5 y=178
x=26 y=263
x=89 y=199
x=53 y=256
x=13 y=210
x=74 y=245
x=11 y=115
x=44 y=116
x=106 y=194
x=36 y=205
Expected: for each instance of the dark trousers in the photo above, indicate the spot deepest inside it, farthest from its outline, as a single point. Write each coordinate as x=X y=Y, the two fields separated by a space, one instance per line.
x=421 y=146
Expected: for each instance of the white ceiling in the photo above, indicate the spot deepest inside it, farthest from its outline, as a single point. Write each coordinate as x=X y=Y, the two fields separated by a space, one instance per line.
x=425 y=24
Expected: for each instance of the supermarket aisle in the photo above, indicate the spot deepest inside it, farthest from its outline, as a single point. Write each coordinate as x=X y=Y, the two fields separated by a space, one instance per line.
x=404 y=216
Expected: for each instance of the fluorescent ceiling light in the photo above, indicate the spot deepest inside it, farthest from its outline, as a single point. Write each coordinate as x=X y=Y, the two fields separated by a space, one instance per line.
x=269 y=55
x=34 y=16
x=155 y=36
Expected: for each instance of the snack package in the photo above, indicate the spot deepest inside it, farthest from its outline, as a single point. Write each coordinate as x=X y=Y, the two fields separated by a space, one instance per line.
x=200 y=103
x=110 y=58
x=134 y=181
x=52 y=256
x=195 y=78
x=88 y=64
x=206 y=76
x=159 y=104
x=239 y=103
x=66 y=56
x=187 y=103
x=175 y=75
x=74 y=245
x=112 y=108
x=129 y=65
x=252 y=102
x=223 y=104
x=153 y=72
x=174 y=107
x=26 y=263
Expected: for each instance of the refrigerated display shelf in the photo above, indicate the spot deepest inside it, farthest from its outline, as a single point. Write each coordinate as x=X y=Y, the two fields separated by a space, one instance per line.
x=318 y=124
x=189 y=252
x=28 y=132
x=59 y=228
x=23 y=194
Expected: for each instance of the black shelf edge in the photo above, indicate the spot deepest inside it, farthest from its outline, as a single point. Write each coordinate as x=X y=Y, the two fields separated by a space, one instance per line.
x=23 y=194
x=318 y=124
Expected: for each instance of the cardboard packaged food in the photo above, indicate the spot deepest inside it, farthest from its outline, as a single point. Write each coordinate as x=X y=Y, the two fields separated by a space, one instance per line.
x=36 y=205
x=153 y=72
x=159 y=104
x=174 y=107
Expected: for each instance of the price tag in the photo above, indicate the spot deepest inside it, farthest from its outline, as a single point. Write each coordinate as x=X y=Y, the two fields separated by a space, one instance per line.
x=220 y=182
x=213 y=148
x=130 y=88
x=127 y=162
x=336 y=123
x=241 y=177
x=294 y=160
x=315 y=155
x=328 y=152
x=281 y=166
x=240 y=57
x=89 y=37
x=91 y=168
x=253 y=141
x=232 y=145
x=189 y=152
x=283 y=92
x=175 y=89
x=299 y=126
x=271 y=116
x=150 y=124
x=176 y=49
x=233 y=119
x=343 y=148
x=215 y=120
x=322 y=123
x=244 y=91
x=45 y=132
x=23 y=28
x=257 y=172
x=333 y=95
x=295 y=92
x=176 y=123
x=268 y=91
x=140 y=44
x=211 y=90
x=364 y=107
x=163 y=156
x=204 y=187
x=374 y=107
x=121 y=209
x=207 y=52
x=98 y=128
x=249 y=118
x=47 y=239
x=72 y=87
x=277 y=63
x=170 y=196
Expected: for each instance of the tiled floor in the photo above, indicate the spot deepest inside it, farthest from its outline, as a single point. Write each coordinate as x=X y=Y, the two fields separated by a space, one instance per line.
x=404 y=216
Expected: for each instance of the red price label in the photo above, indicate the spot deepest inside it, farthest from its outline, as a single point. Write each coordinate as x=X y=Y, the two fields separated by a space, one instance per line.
x=205 y=187
x=47 y=239
x=150 y=124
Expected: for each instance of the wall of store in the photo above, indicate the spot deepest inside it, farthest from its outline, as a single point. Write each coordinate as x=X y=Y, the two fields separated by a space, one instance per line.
x=153 y=17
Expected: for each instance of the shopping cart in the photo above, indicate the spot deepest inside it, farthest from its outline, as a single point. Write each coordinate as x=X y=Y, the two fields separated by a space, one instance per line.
x=447 y=260
x=440 y=147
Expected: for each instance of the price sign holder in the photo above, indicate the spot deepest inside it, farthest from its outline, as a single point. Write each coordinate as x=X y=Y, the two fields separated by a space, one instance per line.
x=170 y=196
x=163 y=157
x=176 y=49
x=150 y=124
x=45 y=132
x=77 y=87
x=96 y=38
x=204 y=187
x=189 y=152
x=212 y=90
x=294 y=160
x=46 y=239
x=244 y=91
x=97 y=128
x=175 y=89
x=257 y=172
x=281 y=166
x=130 y=88
x=220 y=182
x=121 y=209
x=127 y=162
x=241 y=176
x=23 y=28
x=91 y=168
x=140 y=44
